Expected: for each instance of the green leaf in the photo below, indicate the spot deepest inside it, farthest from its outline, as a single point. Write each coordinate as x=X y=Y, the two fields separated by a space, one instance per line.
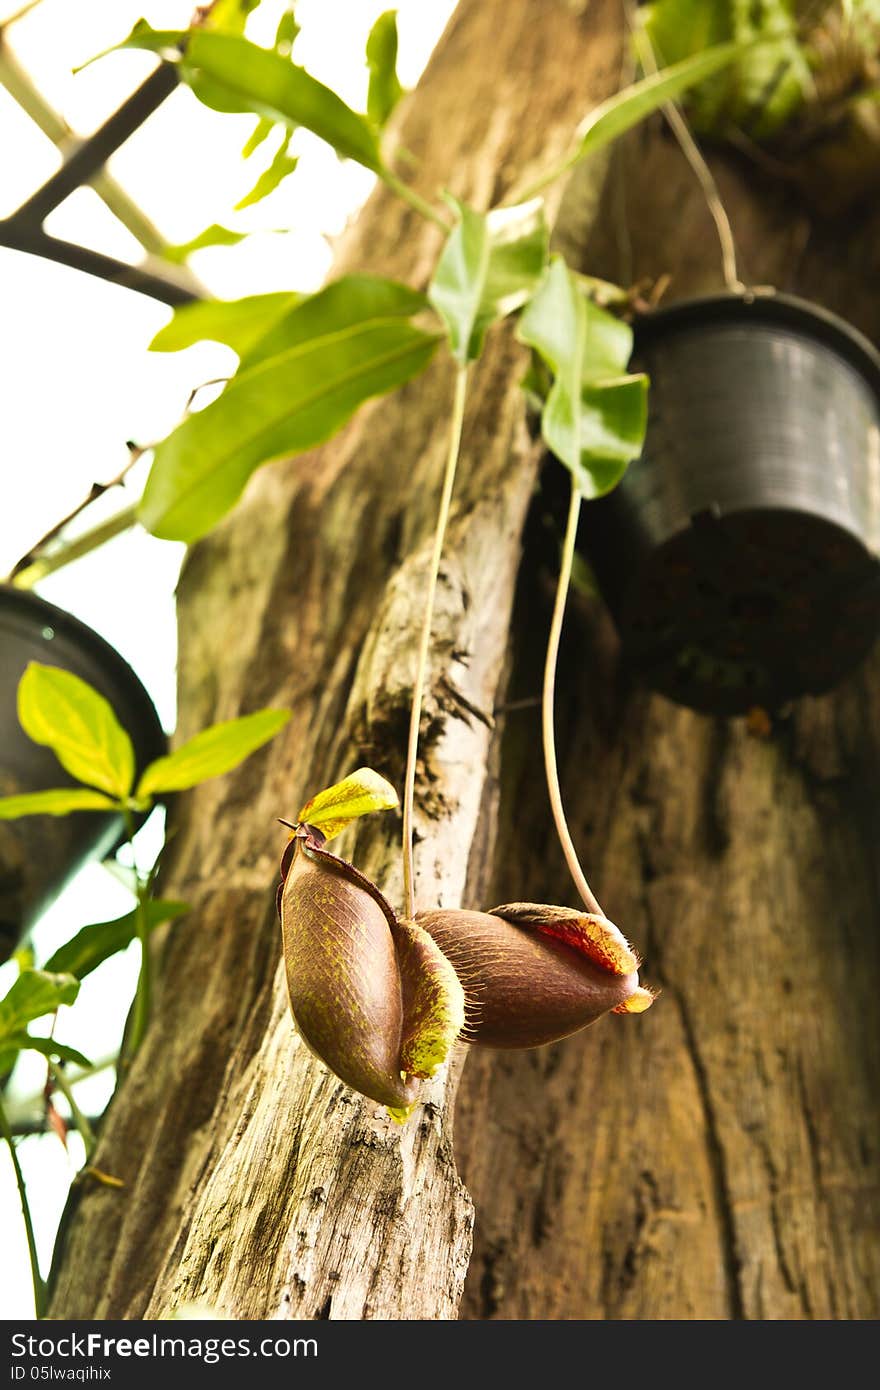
x=215 y=235
x=212 y=93
x=237 y=322
x=58 y=802
x=94 y=944
x=261 y=131
x=286 y=33
x=282 y=164
x=229 y=16
x=62 y=712
x=359 y=794
x=627 y=108
x=289 y=403
x=212 y=752
x=49 y=1047
x=345 y=303
x=229 y=73
x=268 y=84
x=489 y=266
x=384 y=90
x=33 y=994
x=166 y=42
x=594 y=416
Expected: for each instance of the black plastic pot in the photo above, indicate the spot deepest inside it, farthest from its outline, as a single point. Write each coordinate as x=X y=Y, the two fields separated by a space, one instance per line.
x=38 y=854
x=739 y=554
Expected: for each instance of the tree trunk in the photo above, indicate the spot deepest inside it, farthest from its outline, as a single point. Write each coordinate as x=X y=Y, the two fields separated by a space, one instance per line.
x=714 y=1158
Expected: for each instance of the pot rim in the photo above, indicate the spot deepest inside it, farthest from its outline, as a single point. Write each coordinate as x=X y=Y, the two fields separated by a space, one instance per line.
x=765 y=307
x=149 y=732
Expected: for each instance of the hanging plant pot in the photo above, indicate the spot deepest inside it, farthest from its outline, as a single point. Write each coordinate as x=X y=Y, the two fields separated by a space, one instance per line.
x=38 y=854
x=739 y=553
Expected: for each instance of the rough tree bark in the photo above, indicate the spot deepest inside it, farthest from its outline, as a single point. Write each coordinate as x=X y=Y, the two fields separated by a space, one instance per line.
x=716 y=1158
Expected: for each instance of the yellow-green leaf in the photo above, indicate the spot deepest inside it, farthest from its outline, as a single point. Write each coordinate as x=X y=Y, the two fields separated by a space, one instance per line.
x=612 y=118
x=60 y=801
x=240 y=323
x=62 y=712
x=212 y=752
x=229 y=73
x=384 y=90
x=357 y=795
x=215 y=235
x=280 y=166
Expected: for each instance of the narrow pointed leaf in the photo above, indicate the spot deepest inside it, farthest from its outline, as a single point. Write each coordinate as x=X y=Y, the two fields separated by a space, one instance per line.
x=384 y=91
x=282 y=164
x=62 y=712
x=60 y=801
x=612 y=118
x=261 y=131
x=94 y=944
x=237 y=322
x=286 y=32
x=143 y=36
x=33 y=994
x=359 y=794
x=212 y=752
x=229 y=73
x=279 y=407
x=489 y=266
x=215 y=235
x=270 y=85
x=49 y=1047
x=594 y=416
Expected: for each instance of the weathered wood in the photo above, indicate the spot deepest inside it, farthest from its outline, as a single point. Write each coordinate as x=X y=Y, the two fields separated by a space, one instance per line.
x=255 y=1183
x=717 y=1157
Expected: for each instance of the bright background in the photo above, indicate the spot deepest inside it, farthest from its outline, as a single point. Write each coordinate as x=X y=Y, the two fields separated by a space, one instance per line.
x=78 y=382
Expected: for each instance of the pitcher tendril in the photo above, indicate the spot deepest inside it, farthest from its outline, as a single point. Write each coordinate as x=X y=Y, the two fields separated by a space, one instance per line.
x=425 y=640
x=548 y=699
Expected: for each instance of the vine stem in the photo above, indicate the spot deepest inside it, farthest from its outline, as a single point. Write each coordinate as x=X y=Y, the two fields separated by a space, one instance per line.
x=414 y=199
x=143 y=993
x=20 y=1114
x=87 y=1134
x=39 y=1286
x=692 y=153
x=547 y=703
x=425 y=639
x=74 y=550
x=95 y=491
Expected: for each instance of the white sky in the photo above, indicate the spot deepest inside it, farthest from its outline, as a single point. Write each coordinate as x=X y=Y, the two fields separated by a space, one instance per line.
x=76 y=381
